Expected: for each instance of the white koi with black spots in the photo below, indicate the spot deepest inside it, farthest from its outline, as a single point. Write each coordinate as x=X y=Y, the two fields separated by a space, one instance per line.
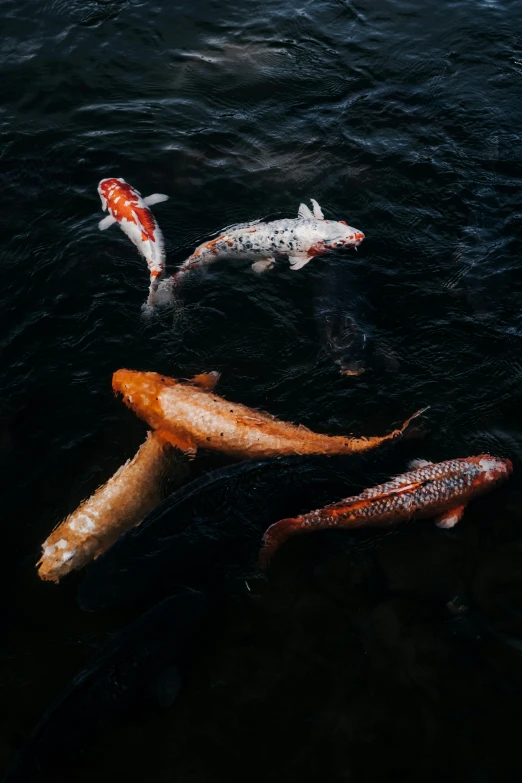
x=299 y=239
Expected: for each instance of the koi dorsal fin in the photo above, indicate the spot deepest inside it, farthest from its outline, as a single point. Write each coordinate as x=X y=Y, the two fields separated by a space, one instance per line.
x=206 y=381
x=318 y=212
x=304 y=212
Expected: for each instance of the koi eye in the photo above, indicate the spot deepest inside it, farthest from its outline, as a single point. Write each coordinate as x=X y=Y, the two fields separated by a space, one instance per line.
x=343 y=222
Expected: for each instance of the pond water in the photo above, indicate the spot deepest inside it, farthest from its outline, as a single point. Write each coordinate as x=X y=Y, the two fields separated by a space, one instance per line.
x=399 y=116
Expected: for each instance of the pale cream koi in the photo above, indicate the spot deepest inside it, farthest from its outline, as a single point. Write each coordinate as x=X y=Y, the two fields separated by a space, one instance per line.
x=117 y=506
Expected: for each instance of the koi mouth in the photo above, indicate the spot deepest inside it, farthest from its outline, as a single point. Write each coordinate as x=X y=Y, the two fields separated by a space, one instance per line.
x=353 y=371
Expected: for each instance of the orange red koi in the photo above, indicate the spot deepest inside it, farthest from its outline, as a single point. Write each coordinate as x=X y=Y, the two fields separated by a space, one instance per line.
x=440 y=490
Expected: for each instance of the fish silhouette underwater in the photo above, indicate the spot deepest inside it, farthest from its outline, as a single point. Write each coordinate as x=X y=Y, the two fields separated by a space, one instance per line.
x=141 y=668
x=345 y=321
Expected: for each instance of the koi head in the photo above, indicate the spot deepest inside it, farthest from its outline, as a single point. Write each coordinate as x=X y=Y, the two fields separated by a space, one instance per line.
x=141 y=392
x=336 y=235
x=106 y=190
x=111 y=187
x=492 y=470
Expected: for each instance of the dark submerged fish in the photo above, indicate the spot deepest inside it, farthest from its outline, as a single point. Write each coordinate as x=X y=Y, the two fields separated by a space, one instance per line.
x=209 y=530
x=346 y=341
x=142 y=666
x=344 y=321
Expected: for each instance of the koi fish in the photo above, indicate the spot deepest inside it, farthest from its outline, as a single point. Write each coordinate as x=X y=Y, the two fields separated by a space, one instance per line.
x=131 y=211
x=115 y=507
x=300 y=239
x=439 y=490
x=190 y=416
x=344 y=319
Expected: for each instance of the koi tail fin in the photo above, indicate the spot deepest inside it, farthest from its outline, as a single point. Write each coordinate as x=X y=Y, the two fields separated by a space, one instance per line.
x=148 y=307
x=412 y=427
x=276 y=535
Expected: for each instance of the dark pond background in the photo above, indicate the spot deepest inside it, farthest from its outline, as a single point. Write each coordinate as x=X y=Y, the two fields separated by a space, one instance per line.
x=401 y=117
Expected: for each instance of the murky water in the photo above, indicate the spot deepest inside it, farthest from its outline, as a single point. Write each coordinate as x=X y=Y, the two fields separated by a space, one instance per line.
x=401 y=117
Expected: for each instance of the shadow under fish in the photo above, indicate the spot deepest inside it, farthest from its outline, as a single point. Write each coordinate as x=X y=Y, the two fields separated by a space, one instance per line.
x=142 y=667
x=207 y=534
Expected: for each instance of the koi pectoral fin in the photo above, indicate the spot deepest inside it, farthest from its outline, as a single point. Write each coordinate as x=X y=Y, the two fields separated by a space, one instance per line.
x=264 y=265
x=298 y=262
x=180 y=441
x=155 y=198
x=450 y=518
x=107 y=222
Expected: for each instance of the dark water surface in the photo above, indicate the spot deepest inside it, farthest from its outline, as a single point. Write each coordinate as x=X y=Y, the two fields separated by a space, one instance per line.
x=401 y=117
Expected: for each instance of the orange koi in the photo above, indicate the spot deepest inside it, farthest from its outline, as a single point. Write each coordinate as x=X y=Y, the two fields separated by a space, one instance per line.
x=190 y=416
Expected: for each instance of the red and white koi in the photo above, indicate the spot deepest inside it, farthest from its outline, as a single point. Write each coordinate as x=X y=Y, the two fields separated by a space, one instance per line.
x=127 y=207
x=440 y=490
x=299 y=239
